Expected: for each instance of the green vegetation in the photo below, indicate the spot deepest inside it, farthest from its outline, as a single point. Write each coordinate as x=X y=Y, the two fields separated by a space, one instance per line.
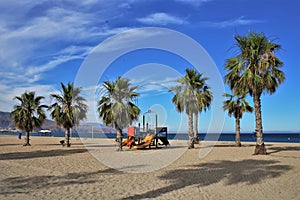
x=69 y=108
x=116 y=107
x=29 y=113
x=253 y=71
x=192 y=95
x=236 y=106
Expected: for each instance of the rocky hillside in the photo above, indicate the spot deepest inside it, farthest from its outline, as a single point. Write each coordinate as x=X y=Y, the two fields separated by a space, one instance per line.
x=6 y=123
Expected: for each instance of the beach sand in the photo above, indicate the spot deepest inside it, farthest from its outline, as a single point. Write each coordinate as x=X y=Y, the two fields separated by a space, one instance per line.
x=91 y=169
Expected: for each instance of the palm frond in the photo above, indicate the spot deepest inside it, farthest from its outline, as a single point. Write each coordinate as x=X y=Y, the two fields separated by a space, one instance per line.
x=69 y=107
x=116 y=105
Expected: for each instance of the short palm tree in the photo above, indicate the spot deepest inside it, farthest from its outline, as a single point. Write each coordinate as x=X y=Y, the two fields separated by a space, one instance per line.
x=29 y=113
x=69 y=109
x=255 y=70
x=116 y=107
x=236 y=106
x=192 y=95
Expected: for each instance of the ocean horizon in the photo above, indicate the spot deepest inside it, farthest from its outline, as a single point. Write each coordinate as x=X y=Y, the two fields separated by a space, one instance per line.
x=289 y=137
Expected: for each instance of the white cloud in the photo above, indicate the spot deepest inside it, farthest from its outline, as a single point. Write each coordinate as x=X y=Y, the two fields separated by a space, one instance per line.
x=155 y=86
x=47 y=38
x=65 y=55
x=30 y=74
x=57 y=23
x=130 y=39
x=39 y=36
x=161 y=19
x=234 y=22
x=153 y=83
x=8 y=93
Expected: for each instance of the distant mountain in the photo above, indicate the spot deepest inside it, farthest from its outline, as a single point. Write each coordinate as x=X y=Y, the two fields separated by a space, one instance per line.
x=5 y=121
x=6 y=124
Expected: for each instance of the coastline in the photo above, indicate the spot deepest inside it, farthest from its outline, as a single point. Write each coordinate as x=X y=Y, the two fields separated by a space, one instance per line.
x=285 y=137
x=46 y=170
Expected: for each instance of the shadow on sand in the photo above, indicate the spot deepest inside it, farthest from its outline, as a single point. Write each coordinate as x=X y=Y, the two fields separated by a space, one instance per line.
x=274 y=150
x=28 y=184
x=4 y=145
x=230 y=172
x=229 y=144
x=38 y=154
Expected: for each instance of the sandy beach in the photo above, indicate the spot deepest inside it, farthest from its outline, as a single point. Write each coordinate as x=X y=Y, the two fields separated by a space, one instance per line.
x=91 y=169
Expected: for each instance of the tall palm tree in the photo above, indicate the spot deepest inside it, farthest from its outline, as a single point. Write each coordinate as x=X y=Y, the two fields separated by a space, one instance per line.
x=116 y=106
x=193 y=96
x=254 y=70
x=29 y=113
x=69 y=108
x=236 y=106
x=204 y=98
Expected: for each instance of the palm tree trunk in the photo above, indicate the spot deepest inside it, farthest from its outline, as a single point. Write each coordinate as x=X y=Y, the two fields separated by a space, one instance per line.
x=260 y=148
x=67 y=136
x=191 y=134
x=27 y=139
x=196 y=137
x=237 y=133
x=119 y=139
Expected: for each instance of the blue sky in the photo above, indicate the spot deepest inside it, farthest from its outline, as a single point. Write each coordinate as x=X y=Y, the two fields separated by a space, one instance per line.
x=45 y=42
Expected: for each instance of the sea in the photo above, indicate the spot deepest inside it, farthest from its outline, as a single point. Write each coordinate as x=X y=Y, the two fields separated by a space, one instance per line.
x=287 y=137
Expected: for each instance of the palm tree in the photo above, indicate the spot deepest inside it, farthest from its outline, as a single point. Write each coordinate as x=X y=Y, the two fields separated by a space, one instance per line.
x=204 y=98
x=116 y=106
x=236 y=106
x=193 y=96
x=69 y=108
x=255 y=70
x=29 y=113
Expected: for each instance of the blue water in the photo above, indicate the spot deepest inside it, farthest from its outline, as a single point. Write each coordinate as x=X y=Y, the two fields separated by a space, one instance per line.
x=245 y=137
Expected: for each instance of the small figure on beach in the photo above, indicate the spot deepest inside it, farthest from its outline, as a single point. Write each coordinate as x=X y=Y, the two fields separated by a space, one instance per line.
x=20 y=136
x=62 y=142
